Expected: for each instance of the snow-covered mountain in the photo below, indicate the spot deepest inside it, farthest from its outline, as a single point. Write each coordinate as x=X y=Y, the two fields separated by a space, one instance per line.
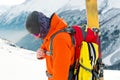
x=30 y=5
x=3 y=9
x=110 y=32
x=16 y=15
x=73 y=11
x=20 y=64
x=29 y=42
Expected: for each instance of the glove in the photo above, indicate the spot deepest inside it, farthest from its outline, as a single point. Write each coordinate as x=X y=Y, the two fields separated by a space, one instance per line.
x=40 y=54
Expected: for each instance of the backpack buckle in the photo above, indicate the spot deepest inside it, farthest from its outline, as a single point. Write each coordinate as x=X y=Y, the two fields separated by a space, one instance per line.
x=96 y=30
x=49 y=53
x=48 y=74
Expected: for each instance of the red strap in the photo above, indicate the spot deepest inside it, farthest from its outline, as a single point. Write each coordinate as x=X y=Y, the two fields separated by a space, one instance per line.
x=78 y=39
x=93 y=37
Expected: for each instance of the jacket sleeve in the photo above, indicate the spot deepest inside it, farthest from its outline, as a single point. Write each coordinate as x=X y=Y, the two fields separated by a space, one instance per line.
x=62 y=55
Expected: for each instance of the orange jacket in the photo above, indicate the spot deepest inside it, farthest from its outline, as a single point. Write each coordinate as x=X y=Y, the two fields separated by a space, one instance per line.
x=58 y=64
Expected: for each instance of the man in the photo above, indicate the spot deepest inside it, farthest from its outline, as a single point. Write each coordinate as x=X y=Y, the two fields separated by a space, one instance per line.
x=62 y=57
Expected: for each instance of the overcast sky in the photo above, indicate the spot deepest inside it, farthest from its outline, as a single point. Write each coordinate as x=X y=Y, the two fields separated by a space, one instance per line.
x=11 y=2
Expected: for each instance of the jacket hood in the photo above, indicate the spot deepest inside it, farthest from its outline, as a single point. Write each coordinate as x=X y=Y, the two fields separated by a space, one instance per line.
x=56 y=24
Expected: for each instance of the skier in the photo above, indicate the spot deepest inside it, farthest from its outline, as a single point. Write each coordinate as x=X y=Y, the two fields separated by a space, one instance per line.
x=59 y=62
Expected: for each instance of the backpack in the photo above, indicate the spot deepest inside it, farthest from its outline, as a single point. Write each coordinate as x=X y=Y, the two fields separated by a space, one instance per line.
x=87 y=53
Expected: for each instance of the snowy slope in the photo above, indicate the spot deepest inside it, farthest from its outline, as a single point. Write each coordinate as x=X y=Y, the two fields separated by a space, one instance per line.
x=110 y=35
x=21 y=64
x=108 y=59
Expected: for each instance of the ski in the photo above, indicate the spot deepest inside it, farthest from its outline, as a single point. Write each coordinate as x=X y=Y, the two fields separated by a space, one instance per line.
x=93 y=22
x=92 y=14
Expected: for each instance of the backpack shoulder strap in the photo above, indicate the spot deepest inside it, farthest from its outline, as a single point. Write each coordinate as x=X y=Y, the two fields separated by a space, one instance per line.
x=68 y=30
x=51 y=41
x=78 y=39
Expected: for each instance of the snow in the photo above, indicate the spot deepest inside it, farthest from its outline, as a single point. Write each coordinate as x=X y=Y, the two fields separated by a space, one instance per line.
x=3 y=9
x=49 y=7
x=21 y=64
x=39 y=5
x=110 y=4
x=45 y=6
x=107 y=60
x=111 y=75
x=114 y=3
